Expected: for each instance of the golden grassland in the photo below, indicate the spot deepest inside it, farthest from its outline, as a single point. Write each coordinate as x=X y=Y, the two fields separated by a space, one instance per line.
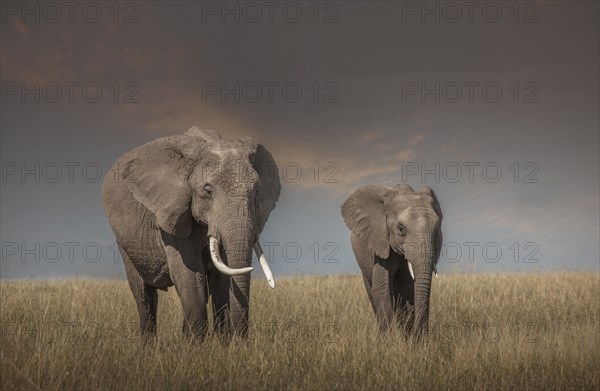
x=528 y=331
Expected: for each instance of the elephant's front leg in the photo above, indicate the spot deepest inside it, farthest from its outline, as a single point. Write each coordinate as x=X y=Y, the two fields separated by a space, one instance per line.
x=381 y=292
x=188 y=276
x=403 y=291
x=218 y=283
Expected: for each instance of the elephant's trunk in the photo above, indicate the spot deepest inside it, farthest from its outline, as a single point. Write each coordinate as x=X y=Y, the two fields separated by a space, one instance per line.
x=238 y=237
x=239 y=289
x=423 y=269
x=422 y=292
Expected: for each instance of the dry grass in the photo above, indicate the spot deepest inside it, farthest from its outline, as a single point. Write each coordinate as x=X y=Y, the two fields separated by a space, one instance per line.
x=487 y=332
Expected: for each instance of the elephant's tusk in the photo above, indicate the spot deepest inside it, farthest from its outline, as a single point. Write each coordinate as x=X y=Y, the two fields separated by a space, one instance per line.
x=435 y=272
x=412 y=274
x=264 y=264
x=213 y=244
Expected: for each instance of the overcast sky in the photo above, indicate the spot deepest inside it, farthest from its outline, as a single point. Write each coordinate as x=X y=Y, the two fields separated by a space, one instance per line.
x=494 y=107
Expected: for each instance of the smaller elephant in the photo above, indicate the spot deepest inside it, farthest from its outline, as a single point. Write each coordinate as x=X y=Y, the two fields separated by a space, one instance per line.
x=397 y=240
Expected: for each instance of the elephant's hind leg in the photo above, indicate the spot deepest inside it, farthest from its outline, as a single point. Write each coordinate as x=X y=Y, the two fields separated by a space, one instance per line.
x=146 y=297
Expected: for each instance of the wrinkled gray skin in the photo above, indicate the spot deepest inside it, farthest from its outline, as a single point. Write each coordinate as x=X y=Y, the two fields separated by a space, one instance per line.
x=164 y=198
x=392 y=226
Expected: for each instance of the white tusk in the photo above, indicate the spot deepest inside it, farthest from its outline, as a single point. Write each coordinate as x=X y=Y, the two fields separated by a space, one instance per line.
x=264 y=264
x=213 y=244
x=412 y=274
x=435 y=272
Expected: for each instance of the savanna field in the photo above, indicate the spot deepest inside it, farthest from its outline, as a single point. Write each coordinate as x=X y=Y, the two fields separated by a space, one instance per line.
x=527 y=331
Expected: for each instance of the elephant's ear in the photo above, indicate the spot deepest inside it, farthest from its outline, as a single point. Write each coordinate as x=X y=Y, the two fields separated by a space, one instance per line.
x=208 y=135
x=157 y=175
x=365 y=214
x=269 y=186
x=436 y=206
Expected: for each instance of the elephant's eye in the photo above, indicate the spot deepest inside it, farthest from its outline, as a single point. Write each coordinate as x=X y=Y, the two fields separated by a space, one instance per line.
x=208 y=189
x=402 y=229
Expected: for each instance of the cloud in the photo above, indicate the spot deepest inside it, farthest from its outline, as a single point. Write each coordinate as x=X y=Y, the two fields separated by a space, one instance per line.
x=371 y=171
x=532 y=218
x=416 y=139
x=20 y=27
x=404 y=155
x=366 y=137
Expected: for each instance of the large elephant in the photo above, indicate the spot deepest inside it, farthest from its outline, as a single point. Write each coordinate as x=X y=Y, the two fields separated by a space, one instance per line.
x=396 y=239
x=178 y=202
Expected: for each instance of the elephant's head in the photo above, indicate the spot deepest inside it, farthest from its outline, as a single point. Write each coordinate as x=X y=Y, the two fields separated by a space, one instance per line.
x=229 y=187
x=408 y=223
